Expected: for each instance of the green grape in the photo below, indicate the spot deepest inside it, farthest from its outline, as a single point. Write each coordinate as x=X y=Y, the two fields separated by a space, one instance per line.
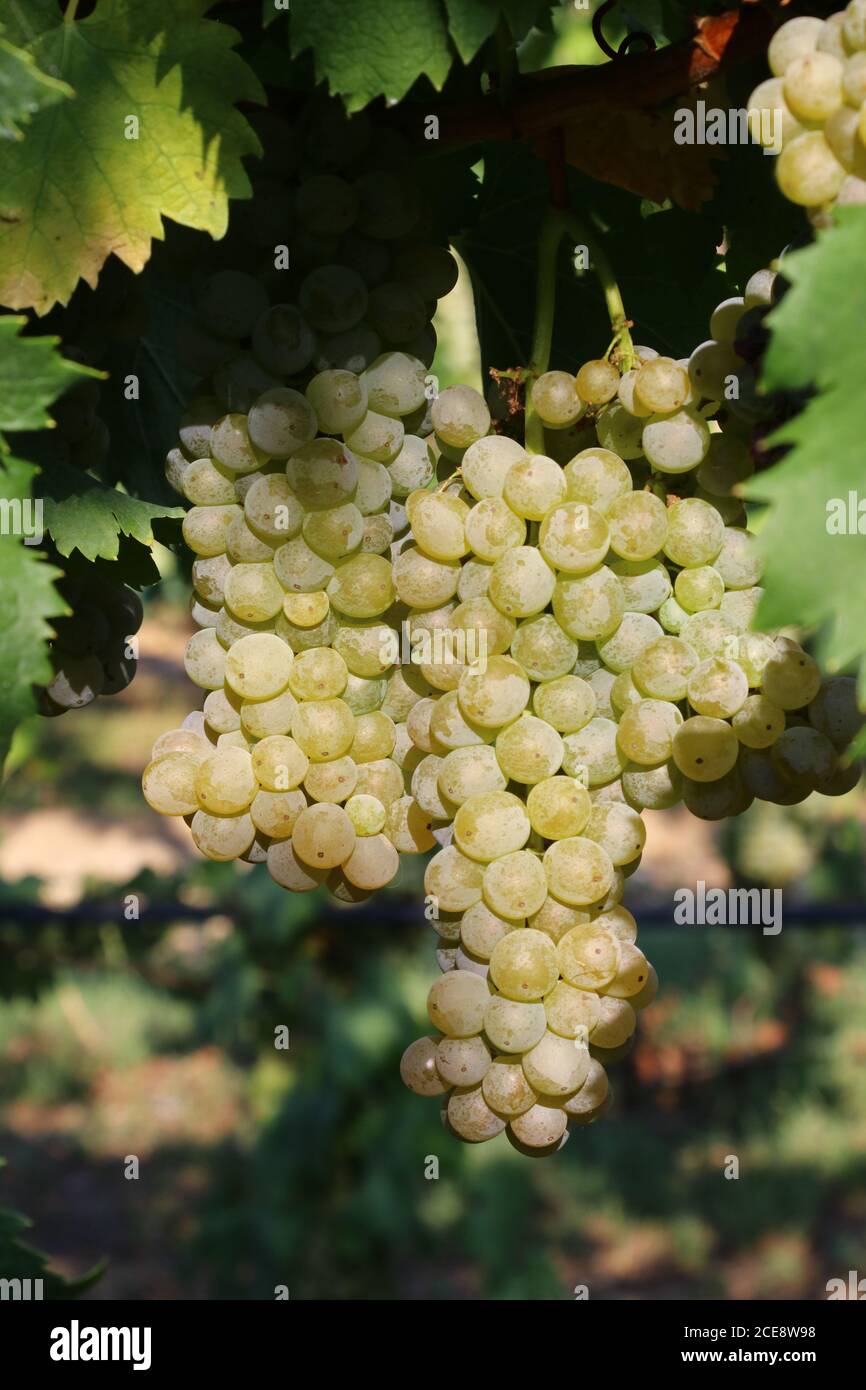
x=803 y=755
x=521 y=582
x=676 y=443
x=834 y=711
x=408 y=827
x=323 y=836
x=388 y=204
x=463 y=1061
x=695 y=533
x=813 y=86
x=758 y=722
x=280 y=422
x=555 y=919
x=373 y=492
x=489 y=824
x=645 y=584
x=792 y=40
x=372 y=863
x=624 y=692
x=652 y=788
x=566 y=703
x=183 y=741
x=205 y=528
x=278 y=763
x=506 y=1089
x=362 y=696
x=616 y=1023
x=619 y=432
x=558 y=807
x=704 y=748
x=495 y=693
x=592 y=753
x=619 y=830
x=571 y=1013
x=619 y=922
x=262 y=718
x=439 y=526
x=336 y=533
x=523 y=965
x=719 y=800
x=808 y=172
x=425 y=788
x=763 y=779
x=515 y=886
x=454 y=882
x=710 y=633
x=230 y=629
x=661 y=386
x=225 y=782
x=460 y=416
x=555 y=399
x=529 y=750
x=325 y=729
x=289 y=871
x=382 y=779
x=418 y=1070
x=397 y=312
x=717 y=687
x=196 y=426
x=588 y=957
x=647 y=731
x=491 y=528
x=222 y=837
x=626 y=395
x=672 y=615
x=542 y=648
x=368 y=649
x=431 y=270
x=790 y=678
x=332 y=299
x=244 y=547
x=597 y=381
x=589 y=607
x=479 y=615
x=205 y=484
x=470 y=1117
x=450 y=729
x=700 y=588
x=271 y=509
x=229 y=303
x=422 y=582
x=738 y=561
x=555 y=1066
x=457 y=1002
x=374 y=737
x=635 y=634
x=204 y=662
x=380 y=438
x=258 y=667
x=725 y=318
x=596 y=477
x=253 y=593
x=169 y=783
x=418 y=722
x=727 y=463
x=231 y=446
x=579 y=872
x=712 y=366
x=469 y=772
x=573 y=537
x=411 y=468
x=512 y=1025
x=339 y=399
x=322 y=474
x=396 y=384
x=486 y=463
x=638 y=524
x=318 y=674
x=378 y=534
x=275 y=813
x=362 y=587
x=541 y=1130
x=588 y=1102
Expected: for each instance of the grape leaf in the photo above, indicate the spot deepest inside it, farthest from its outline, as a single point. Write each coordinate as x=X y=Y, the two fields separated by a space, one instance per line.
x=21 y=1261
x=32 y=375
x=82 y=513
x=370 y=49
x=815 y=578
x=24 y=90
x=29 y=600
x=87 y=181
x=472 y=22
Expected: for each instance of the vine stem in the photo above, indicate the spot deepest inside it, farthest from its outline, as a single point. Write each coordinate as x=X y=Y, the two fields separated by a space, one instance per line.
x=622 y=345
x=69 y=15
x=552 y=229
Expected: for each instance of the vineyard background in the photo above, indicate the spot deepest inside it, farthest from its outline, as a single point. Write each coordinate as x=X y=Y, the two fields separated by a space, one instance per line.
x=154 y=1036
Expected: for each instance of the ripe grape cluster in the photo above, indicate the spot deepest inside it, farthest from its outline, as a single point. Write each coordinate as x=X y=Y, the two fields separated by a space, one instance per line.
x=90 y=651
x=815 y=102
x=296 y=758
x=602 y=662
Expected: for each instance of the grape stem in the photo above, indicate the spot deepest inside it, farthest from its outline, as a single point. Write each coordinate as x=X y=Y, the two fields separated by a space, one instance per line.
x=621 y=347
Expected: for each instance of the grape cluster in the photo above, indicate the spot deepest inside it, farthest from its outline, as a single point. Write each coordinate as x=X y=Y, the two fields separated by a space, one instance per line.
x=296 y=758
x=816 y=102
x=602 y=662
x=90 y=651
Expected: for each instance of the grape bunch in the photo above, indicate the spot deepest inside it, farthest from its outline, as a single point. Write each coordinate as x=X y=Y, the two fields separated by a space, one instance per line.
x=91 y=653
x=296 y=758
x=600 y=662
x=815 y=102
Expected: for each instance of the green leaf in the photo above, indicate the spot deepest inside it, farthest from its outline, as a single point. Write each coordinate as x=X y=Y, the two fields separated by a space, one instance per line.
x=29 y=600
x=471 y=22
x=815 y=578
x=32 y=375
x=21 y=1261
x=83 y=514
x=369 y=49
x=24 y=90
x=88 y=181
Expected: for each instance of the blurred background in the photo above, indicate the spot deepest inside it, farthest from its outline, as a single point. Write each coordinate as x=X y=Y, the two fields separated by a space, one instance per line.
x=140 y=988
